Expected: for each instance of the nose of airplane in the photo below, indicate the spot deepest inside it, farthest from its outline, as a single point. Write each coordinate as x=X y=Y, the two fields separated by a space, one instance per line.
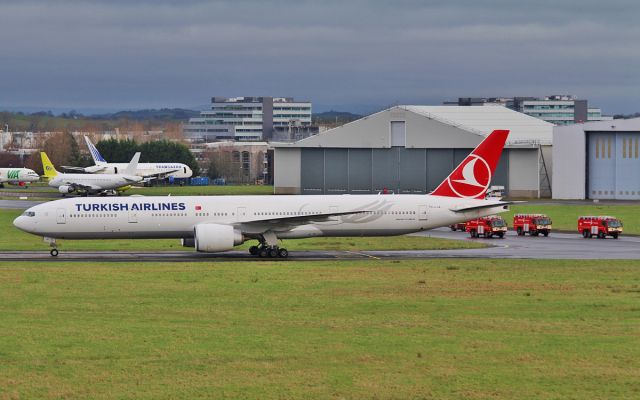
x=20 y=223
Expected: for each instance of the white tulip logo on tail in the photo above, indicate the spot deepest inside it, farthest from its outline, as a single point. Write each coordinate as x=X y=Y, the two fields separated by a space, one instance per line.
x=475 y=179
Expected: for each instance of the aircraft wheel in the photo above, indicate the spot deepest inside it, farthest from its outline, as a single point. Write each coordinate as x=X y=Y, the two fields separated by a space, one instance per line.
x=253 y=250
x=54 y=252
x=263 y=253
x=283 y=253
x=273 y=253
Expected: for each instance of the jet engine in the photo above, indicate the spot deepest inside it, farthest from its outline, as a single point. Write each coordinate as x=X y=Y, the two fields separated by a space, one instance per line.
x=64 y=189
x=212 y=238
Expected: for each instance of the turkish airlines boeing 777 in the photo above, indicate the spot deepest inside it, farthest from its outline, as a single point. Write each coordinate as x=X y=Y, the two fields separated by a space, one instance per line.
x=218 y=223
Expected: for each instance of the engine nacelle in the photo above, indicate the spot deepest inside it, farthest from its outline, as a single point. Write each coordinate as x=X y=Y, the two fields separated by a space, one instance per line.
x=64 y=189
x=212 y=238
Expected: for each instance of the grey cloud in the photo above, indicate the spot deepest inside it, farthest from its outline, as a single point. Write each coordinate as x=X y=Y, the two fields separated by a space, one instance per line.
x=165 y=53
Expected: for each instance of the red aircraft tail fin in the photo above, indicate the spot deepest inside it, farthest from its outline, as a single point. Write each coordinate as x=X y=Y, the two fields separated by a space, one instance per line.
x=472 y=177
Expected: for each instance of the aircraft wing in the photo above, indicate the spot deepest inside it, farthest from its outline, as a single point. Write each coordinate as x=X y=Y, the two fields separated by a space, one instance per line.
x=160 y=175
x=90 y=170
x=80 y=186
x=286 y=222
x=465 y=208
x=70 y=168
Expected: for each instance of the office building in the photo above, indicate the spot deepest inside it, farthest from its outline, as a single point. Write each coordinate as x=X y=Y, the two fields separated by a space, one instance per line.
x=557 y=109
x=251 y=119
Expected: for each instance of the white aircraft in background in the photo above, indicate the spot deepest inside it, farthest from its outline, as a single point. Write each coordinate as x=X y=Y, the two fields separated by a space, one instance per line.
x=146 y=170
x=17 y=176
x=218 y=223
x=90 y=183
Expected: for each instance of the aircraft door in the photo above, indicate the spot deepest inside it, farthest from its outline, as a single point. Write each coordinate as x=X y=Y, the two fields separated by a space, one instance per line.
x=241 y=213
x=422 y=213
x=133 y=217
x=61 y=216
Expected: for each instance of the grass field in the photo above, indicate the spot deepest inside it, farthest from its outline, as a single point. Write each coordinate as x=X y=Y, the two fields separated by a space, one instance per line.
x=441 y=329
x=565 y=216
x=13 y=239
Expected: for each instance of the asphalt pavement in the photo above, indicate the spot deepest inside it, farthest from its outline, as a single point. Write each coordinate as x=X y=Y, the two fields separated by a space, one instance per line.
x=557 y=246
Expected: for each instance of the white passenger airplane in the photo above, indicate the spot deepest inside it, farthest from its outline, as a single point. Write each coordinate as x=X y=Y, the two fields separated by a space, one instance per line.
x=147 y=170
x=218 y=223
x=89 y=183
x=17 y=176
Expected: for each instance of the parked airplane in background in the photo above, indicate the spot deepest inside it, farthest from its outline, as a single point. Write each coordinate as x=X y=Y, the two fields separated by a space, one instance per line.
x=89 y=183
x=146 y=170
x=218 y=223
x=17 y=176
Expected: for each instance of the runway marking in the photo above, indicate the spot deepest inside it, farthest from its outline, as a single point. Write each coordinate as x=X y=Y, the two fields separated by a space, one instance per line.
x=363 y=254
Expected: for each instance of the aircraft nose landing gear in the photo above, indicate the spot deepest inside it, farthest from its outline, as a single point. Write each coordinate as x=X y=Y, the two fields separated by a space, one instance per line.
x=52 y=243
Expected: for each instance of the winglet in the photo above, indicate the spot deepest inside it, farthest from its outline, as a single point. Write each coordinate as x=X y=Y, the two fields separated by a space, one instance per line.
x=472 y=177
x=47 y=166
x=95 y=154
x=133 y=165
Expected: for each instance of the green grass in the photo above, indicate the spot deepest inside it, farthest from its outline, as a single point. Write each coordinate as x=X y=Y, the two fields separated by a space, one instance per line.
x=441 y=329
x=12 y=239
x=565 y=216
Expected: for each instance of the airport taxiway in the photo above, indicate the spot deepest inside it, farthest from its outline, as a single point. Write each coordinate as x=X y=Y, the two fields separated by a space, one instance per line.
x=567 y=246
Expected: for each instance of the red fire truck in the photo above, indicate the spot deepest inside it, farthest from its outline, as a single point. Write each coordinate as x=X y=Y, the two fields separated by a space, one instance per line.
x=599 y=226
x=487 y=226
x=533 y=224
x=461 y=226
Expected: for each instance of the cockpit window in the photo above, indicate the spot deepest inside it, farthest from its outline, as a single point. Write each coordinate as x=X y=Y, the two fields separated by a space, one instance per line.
x=29 y=214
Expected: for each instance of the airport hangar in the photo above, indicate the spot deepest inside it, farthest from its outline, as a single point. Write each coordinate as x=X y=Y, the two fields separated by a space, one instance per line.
x=597 y=160
x=411 y=149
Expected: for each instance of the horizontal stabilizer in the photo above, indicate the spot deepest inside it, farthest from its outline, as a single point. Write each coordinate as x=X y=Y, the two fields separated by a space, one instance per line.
x=465 y=208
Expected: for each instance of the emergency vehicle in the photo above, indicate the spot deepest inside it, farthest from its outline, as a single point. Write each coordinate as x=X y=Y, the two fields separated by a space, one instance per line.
x=599 y=226
x=490 y=226
x=533 y=224
x=458 y=227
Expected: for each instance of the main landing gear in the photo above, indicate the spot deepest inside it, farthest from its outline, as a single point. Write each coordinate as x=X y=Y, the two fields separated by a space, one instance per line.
x=265 y=251
x=268 y=247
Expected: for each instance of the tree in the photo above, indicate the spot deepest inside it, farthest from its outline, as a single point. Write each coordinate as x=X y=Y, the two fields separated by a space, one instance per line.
x=63 y=149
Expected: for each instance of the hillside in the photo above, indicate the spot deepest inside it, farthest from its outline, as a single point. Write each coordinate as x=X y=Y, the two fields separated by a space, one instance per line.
x=47 y=121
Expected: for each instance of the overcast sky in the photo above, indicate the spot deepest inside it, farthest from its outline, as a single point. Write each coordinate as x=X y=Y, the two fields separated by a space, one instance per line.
x=350 y=55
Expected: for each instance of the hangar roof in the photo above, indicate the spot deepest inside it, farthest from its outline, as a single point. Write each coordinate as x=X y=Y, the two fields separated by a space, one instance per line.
x=484 y=119
x=434 y=127
x=615 y=125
